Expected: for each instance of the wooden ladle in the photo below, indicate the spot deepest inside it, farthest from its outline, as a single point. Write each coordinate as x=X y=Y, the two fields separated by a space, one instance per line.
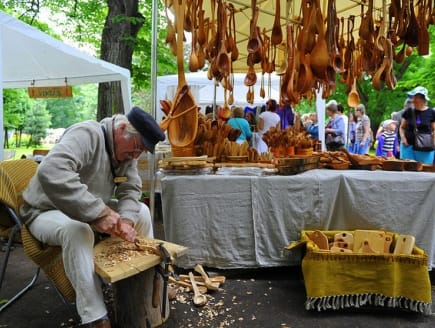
x=182 y=121
x=198 y=298
x=276 y=37
x=353 y=96
x=208 y=283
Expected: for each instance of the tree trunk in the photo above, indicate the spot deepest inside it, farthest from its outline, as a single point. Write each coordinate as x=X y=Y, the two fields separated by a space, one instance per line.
x=133 y=302
x=121 y=27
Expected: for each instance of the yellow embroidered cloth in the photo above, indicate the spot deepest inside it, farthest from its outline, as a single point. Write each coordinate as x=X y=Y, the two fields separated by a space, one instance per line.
x=344 y=280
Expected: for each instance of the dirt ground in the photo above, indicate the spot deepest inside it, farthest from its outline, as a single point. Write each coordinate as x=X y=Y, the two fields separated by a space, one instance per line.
x=263 y=298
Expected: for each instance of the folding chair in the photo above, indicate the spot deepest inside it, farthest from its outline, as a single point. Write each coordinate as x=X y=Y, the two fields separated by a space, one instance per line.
x=14 y=177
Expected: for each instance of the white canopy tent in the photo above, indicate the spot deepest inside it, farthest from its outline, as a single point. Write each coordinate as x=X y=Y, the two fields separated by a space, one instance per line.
x=29 y=56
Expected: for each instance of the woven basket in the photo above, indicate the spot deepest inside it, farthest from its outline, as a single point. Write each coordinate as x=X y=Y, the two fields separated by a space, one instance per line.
x=49 y=259
x=304 y=151
x=187 y=151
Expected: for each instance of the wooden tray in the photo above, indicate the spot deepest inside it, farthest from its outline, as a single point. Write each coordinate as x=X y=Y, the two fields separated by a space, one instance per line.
x=139 y=260
x=260 y=165
x=393 y=165
x=413 y=166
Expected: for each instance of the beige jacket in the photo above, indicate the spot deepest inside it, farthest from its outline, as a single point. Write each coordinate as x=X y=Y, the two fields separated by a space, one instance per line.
x=76 y=177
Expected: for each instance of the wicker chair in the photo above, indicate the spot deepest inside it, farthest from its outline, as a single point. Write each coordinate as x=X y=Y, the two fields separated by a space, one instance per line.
x=14 y=177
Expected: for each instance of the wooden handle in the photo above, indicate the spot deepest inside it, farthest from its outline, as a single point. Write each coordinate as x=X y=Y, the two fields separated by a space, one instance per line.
x=156 y=291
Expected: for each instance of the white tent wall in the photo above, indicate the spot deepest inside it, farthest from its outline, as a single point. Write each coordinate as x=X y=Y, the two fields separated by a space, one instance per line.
x=29 y=56
x=203 y=90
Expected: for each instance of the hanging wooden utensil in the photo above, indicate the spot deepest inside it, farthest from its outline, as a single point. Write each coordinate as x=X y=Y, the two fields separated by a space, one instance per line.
x=182 y=123
x=353 y=96
x=366 y=29
x=283 y=65
x=276 y=37
x=319 y=54
x=193 y=58
x=202 y=38
x=254 y=44
x=413 y=30
x=232 y=27
x=423 y=36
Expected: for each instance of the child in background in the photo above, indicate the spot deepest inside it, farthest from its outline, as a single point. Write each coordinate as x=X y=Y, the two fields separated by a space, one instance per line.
x=390 y=138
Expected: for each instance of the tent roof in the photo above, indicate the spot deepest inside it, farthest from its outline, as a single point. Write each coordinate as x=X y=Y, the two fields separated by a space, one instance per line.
x=31 y=56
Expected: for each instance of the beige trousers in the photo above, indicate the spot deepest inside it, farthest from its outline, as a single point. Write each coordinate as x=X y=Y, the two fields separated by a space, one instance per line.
x=77 y=241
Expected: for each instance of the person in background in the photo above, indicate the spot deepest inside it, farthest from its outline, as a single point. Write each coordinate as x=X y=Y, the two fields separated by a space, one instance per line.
x=209 y=112
x=352 y=131
x=250 y=117
x=89 y=183
x=313 y=128
x=387 y=139
x=422 y=118
x=334 y=131
x=305 y=120
x=362 y=131
x=267 y=119
x=397 y=117
x=340 y=109
x=286 y=115
x=237 y=121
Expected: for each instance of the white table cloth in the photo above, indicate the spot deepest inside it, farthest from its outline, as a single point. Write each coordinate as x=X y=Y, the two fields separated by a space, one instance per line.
x=246 y=221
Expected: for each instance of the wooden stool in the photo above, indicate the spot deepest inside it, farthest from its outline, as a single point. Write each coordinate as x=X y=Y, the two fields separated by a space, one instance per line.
x=135 y=282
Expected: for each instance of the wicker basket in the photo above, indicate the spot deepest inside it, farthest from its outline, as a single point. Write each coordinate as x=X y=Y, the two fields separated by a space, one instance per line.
x=187 y=151
x=304 y=151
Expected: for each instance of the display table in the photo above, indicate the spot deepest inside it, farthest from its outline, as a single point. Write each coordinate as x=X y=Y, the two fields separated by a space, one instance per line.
x=246 y=221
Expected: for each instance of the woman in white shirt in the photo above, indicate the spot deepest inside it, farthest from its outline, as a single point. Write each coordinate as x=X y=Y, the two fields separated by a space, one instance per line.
x=267 y=119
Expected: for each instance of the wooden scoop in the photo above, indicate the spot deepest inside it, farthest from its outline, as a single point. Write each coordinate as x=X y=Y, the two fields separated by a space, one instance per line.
x=208 y=283
x=182 y=123
x=185 y=284
x=198 y=298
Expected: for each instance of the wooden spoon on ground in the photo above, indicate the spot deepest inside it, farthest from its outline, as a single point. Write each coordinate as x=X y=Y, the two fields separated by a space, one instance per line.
x=198 y=298
x=208 y=283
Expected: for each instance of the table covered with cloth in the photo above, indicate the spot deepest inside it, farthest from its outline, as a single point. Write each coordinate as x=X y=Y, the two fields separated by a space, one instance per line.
x=247 y=221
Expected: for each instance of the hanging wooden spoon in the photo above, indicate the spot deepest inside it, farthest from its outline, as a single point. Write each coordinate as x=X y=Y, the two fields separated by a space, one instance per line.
x=276 y=37
x=193 y=59
x=319 y=54
x=182 y=124
x=202 y=38
x=353 y=96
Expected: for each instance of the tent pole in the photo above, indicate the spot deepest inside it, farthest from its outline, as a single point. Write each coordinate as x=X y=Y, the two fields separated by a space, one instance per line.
x=214 y=100
x=151 y=157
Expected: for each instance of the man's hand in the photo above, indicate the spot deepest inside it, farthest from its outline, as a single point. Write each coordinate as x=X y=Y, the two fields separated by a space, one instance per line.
x=125 y=230
x=107 y=221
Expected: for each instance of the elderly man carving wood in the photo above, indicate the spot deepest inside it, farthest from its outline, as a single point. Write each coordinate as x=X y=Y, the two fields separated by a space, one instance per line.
x=89 y=182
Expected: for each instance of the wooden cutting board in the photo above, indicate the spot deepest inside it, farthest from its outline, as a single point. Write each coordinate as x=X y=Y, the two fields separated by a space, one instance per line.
x=404 y=245
x=116 y=259
x=375 y=239
x=320 y=239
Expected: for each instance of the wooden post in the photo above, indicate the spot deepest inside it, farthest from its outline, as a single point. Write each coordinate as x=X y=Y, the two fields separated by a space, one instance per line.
x=133 y=302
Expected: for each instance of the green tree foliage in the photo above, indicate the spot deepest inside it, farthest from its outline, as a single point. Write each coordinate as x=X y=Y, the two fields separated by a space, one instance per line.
x=66 y=111
x=36 y=122
x=15 y=105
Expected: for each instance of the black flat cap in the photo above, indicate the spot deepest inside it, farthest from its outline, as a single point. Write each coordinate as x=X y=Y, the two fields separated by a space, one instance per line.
x=147 y=126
